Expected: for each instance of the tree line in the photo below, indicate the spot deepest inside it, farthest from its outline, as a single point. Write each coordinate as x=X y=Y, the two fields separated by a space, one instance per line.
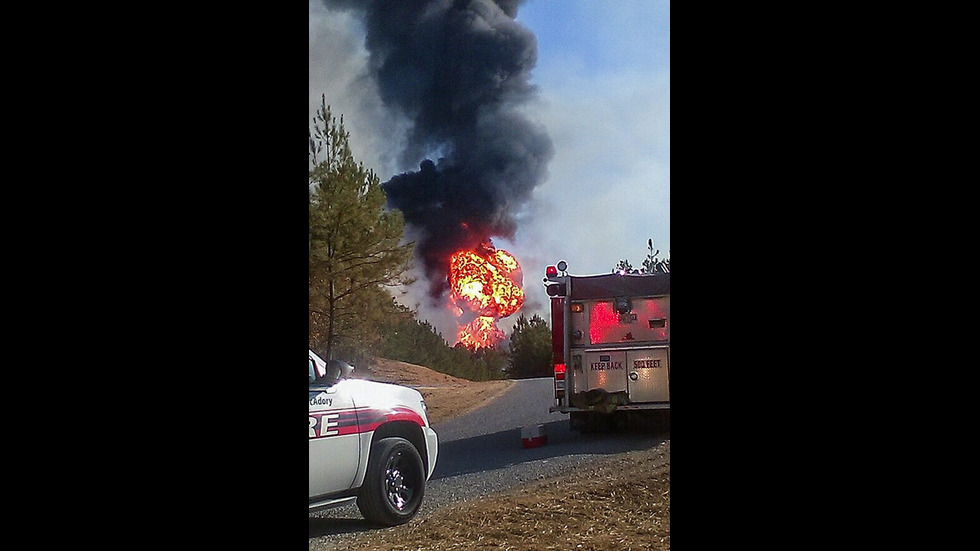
x=651 y=264
x=358 y=252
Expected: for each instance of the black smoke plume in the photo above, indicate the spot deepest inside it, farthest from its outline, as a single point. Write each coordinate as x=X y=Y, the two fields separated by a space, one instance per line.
x=458 y=71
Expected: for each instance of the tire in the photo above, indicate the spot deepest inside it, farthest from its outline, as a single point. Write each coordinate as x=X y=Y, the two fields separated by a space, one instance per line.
x=394 y=483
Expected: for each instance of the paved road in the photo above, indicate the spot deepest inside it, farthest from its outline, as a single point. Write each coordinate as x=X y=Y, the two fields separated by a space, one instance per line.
x=481 y=453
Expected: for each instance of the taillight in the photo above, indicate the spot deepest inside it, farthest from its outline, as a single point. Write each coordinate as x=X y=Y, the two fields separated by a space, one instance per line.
x=559 y=372
x=559 y=383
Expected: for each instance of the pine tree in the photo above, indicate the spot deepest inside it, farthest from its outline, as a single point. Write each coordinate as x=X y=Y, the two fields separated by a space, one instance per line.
x=624 y=267
x=651 y=264
x=530 y=348
x=354 y=244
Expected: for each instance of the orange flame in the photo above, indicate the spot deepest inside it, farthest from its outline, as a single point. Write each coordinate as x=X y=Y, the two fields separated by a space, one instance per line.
x=482 y=332
x=489 y=285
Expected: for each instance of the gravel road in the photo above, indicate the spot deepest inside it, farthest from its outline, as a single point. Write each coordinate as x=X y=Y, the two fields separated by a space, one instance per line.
x=480 y=453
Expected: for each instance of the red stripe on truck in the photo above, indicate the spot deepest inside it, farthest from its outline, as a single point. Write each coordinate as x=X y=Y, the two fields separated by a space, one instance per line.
x=356 y=421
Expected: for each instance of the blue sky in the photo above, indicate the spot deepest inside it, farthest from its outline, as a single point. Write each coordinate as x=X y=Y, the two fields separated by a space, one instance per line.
x=604 y=37
x=603 y=75
x=603 y=78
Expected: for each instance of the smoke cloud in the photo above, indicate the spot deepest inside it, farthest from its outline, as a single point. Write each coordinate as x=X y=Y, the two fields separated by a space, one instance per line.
x=458 y=71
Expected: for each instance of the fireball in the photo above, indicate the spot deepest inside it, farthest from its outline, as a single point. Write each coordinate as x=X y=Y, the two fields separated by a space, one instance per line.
x=488 y=284
x=482 y=332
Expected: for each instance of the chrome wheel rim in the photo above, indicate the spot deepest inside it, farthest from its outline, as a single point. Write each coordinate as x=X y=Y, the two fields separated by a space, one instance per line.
x=398 y=489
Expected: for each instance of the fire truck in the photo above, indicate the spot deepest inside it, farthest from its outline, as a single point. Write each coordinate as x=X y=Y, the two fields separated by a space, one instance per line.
x=611 y=348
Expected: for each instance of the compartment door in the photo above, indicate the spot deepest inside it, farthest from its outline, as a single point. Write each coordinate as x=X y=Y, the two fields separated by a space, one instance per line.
x=649 y=375
x=606 y=370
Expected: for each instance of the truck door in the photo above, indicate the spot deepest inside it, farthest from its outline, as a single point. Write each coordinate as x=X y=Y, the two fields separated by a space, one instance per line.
x=606 y=370
x=334 y=439
x=649 y=374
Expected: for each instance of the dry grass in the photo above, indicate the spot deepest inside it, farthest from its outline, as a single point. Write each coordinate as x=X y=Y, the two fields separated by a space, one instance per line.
x=403 y=373
x=620 y=503
x=445 y=396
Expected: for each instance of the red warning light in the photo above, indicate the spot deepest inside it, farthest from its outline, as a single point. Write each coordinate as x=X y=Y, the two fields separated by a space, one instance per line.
x=560 y=372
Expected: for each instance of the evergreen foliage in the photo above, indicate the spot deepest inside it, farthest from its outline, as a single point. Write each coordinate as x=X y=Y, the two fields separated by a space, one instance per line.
x=530 y=348
x=355 y=252
x=355 y=246
x=651 y=264
x=406 y=339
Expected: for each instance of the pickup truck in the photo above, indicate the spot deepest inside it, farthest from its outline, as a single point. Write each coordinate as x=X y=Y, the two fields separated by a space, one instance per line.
x=370 y=443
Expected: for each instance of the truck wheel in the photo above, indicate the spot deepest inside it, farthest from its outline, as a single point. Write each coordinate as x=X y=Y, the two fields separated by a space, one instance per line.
x=394 y=483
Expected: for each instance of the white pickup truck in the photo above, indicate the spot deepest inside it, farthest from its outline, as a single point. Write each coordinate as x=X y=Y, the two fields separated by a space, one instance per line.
x=370 y=442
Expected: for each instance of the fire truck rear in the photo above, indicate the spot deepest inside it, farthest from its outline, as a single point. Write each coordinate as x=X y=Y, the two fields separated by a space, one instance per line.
x=611 y=347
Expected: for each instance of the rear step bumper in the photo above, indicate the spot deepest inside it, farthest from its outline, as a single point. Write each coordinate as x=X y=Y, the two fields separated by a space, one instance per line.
x=628 y=407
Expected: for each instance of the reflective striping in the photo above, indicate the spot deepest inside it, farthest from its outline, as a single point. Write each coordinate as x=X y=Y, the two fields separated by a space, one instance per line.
x=333 y=423
x=371 y=419
x=328 y=423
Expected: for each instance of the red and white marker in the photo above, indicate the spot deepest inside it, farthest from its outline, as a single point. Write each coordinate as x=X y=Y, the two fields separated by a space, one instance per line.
x=533 y=436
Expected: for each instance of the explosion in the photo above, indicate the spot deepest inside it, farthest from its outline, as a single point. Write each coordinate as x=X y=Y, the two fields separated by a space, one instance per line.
x=482 y=332
x=488 y=283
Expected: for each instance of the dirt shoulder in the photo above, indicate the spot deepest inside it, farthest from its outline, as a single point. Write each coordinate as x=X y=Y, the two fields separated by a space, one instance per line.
x=445 y=396
x=606 y=506
x=619 y=502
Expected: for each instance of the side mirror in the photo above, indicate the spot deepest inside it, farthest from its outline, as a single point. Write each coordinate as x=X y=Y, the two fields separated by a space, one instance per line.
x=337 y=370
